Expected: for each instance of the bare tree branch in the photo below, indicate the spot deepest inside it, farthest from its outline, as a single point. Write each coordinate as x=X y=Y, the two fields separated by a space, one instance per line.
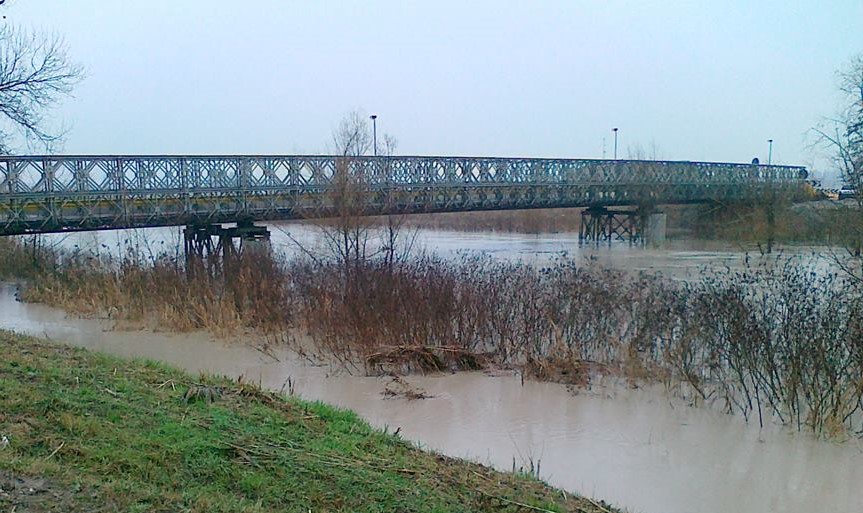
x=35 y=73
x=842 y=136
x=350 y=237
x=353 y=138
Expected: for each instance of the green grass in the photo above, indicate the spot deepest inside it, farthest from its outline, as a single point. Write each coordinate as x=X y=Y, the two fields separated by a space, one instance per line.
x=117 y=435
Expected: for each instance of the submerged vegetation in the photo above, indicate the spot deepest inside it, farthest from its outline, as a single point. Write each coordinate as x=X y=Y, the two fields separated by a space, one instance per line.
x=778 y=340
x=87 y=432
x=153 y=288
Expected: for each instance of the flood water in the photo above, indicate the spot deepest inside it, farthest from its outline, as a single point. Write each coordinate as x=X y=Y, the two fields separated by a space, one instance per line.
x=638 y=449
x=676 y=258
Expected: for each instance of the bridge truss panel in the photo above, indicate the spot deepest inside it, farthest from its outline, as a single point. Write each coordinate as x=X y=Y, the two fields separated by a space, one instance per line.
x=60 y=193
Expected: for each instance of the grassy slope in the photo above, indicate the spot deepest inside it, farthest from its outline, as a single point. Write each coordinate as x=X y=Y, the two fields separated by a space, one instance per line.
x=129 y=442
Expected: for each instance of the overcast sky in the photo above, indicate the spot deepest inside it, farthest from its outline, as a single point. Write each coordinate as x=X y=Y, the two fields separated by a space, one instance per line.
x=709 y=80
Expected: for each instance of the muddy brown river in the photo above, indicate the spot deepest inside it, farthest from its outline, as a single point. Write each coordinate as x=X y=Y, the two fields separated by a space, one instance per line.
x=675 y=258
x=638 y=449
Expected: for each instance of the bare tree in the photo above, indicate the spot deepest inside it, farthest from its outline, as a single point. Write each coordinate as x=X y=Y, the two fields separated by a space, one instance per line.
x=850 y=144
x=351 y=236
x=357 y=190
x=352 y=138
x=843 y=136
x=35 y=72
x=396 y=243
x=347 y=237
x=638 y=152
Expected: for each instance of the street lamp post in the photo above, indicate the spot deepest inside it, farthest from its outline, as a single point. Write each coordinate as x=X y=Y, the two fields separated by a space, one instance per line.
x=375 y=133
x=615 y=142
x=771 y=205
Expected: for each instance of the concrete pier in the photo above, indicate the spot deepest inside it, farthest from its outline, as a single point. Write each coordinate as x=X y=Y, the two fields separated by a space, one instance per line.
x=654 y=229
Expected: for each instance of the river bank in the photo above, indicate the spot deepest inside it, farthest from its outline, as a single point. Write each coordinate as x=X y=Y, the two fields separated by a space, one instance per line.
x=777 y=337
x=634 y=447
x=88 y=431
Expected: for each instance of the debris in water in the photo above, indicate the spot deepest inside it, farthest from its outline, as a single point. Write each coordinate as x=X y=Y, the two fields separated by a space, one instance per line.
x=398 y=387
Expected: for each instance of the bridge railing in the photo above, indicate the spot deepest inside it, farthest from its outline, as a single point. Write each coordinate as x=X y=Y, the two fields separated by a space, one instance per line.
x=132 y=174
x=50 y=193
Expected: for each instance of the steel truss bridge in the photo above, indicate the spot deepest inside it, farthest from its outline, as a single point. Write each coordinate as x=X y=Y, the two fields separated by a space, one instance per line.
x=42 y=194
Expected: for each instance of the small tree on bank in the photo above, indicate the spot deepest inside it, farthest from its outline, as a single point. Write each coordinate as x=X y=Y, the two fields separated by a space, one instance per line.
x=848 y=135
x=351 y=237
x=347 y=237
x=843 y=137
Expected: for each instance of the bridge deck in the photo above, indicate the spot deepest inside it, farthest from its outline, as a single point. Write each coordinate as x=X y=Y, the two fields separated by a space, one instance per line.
x=64 y=193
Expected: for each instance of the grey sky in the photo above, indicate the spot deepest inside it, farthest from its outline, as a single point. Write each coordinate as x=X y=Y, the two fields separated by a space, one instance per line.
x=708 y=80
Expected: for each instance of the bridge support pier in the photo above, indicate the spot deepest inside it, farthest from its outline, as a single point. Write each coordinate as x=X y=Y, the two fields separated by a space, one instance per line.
x=203 y=242
x=654 y=228
x=600 y=224
x=644 y=225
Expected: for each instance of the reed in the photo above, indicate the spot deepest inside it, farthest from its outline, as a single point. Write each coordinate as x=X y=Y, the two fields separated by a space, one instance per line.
x=157 y=290
x=778 y=340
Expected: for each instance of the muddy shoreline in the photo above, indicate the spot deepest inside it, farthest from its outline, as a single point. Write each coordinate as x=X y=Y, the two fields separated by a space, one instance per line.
x=633 y=447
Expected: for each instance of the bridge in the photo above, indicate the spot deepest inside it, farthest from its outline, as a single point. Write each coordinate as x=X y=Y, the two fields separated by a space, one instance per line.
x=43 y=194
